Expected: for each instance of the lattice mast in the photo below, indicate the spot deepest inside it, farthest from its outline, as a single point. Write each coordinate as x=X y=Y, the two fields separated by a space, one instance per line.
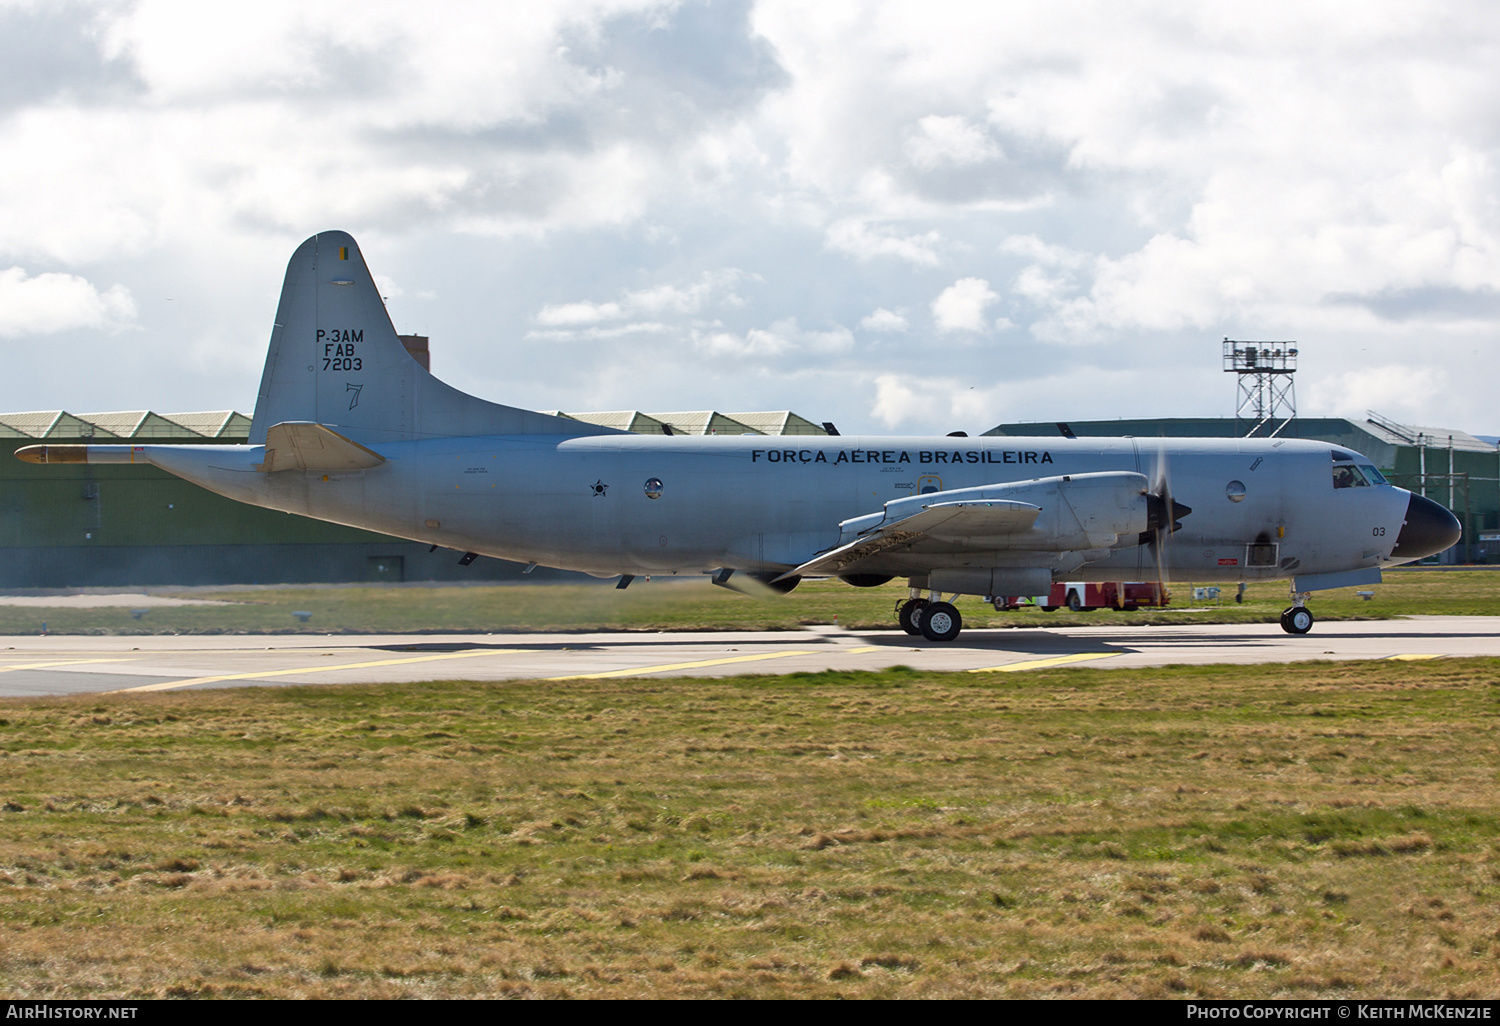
x=1265 y=374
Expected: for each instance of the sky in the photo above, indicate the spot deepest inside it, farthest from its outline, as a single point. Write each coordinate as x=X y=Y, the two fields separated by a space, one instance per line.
x=901 y=217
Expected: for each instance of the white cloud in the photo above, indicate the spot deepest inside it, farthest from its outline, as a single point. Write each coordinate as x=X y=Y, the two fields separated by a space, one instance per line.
x=882 y=319
x=614 y=331
x=49 y=303
x=713 y=288
x=781 y=338
x=895 y=400
x=580 y=313
x=905 y=399
x=864 y=242
x=950 y=142
x=1159 y=177
x=1403 y=391
x=961 y=306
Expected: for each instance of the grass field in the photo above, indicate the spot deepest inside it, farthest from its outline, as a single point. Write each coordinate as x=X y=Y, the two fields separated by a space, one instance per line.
x=1296 y=831
x=697 y=605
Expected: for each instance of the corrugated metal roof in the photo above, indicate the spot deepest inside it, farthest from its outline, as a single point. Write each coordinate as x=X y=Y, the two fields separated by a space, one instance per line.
x=213 y=424
x=139 y=424
x=705 y=422
x=778 y=422
x=53 y=424
x=620 y=420
x=1431 y=437
x=221 y=424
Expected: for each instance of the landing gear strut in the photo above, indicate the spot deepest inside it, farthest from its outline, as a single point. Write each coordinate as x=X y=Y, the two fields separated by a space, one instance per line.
x=1297 y=618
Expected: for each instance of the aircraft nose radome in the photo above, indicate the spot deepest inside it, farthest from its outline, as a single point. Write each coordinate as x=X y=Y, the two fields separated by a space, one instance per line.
x=1429 y=529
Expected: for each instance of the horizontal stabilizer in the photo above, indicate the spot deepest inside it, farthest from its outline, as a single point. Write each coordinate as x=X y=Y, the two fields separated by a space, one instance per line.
x=959 y=520
x=303 y=445
x=82 y=454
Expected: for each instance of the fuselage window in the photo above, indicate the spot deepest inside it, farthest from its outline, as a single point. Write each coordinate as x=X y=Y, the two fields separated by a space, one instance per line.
x=1348 y=476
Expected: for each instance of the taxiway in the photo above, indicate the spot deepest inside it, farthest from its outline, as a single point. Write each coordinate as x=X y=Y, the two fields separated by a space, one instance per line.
x=58 y=665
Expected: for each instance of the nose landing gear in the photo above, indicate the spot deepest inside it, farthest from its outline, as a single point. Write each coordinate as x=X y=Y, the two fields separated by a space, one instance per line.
x=1297 y=618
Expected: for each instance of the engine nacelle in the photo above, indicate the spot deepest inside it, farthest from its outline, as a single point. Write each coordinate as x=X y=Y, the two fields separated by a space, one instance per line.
x=1077 y=511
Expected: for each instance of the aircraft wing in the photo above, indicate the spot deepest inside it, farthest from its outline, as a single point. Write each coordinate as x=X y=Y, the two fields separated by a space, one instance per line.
x=962 y=521
x=303 y=445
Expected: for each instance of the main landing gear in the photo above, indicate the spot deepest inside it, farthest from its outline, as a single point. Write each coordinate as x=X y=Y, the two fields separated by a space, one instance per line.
x=933 y=619
x=1297 y=618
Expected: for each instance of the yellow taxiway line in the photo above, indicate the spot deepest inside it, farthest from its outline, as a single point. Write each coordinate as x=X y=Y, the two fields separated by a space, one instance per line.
x=61 y=662
x=665 y=667
x=169 y=685
x=1037 y=664
x=1412 y=657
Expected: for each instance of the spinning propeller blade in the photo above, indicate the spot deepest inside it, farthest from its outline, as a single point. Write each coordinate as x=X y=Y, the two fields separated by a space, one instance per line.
x=1163 y=516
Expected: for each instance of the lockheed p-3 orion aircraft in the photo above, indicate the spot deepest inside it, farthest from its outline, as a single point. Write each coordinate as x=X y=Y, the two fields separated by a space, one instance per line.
x=349 y=428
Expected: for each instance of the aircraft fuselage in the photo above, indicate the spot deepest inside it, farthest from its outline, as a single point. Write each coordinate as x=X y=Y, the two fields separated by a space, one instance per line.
x=764 y=503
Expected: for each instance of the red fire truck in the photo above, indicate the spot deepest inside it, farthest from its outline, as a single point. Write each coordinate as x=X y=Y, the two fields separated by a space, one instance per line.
x=1081 y=596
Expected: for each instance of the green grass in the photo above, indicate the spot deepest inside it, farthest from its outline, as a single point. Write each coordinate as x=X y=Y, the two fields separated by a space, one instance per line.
x=1313 y=830
x=697 y=605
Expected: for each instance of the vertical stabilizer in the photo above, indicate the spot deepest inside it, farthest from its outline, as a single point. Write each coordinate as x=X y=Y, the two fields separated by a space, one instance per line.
x=335 y=359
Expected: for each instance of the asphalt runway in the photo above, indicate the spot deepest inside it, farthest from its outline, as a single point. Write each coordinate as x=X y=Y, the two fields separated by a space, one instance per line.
x=60 y=665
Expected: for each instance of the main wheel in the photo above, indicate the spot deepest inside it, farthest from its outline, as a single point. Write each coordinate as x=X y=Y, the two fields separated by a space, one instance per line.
x=1297 y=620
x=909 y=616
x=941 y=622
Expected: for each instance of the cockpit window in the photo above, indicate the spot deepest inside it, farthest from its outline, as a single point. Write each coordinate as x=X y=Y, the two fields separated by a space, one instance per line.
x=1346 y=475
x=1375 y=477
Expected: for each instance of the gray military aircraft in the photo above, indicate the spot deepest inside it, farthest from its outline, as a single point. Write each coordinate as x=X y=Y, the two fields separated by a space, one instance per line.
x=349 y=428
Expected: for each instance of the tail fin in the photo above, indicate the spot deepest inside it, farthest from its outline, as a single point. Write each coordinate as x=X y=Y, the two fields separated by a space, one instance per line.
x=335 y=360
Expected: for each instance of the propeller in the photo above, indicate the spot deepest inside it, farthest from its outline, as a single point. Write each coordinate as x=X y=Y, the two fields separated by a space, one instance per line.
x=1163 y=516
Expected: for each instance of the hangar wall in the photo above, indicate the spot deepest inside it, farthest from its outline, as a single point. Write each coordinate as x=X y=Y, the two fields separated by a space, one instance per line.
x=73 y=526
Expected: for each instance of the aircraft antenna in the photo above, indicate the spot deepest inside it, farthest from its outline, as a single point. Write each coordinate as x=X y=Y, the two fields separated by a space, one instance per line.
x=1265 y=373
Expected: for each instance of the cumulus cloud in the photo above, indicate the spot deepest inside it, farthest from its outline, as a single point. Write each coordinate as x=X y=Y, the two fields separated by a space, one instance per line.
x=950 y=142
x=903 y=400
x=576 y=172
x=784 y=337
x=865 y=242
x=961 y=306
x=1406 y=392
x=45 y=304
x=713 y=288
x=882 y=319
